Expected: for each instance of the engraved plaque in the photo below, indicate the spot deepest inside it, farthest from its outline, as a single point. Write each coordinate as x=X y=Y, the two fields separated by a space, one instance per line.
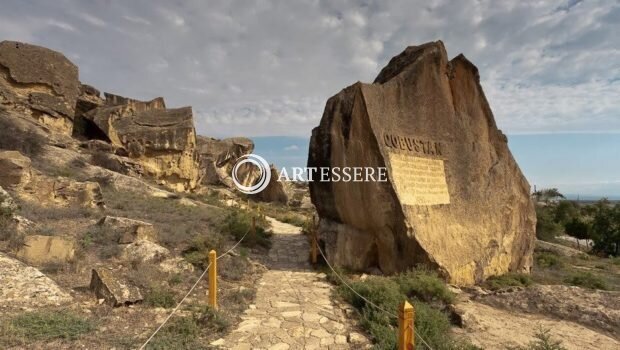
x=419 y=181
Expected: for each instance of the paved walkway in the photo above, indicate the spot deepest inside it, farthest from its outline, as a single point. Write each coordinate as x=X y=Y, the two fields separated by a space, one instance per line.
x=293 y=307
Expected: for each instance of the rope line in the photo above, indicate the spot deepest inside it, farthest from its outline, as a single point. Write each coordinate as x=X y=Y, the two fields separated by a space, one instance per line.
x=363 y=298
x=190 y=291
x=176 y=308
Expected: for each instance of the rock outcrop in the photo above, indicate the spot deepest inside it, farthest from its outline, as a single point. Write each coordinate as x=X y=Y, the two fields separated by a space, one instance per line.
x=15 y=170
x=218 y=157
x=39 y=250
x=162 y=140
x=39 y=82
x=454 y=199
x=115 y=291
x=128 y=230
x=26 y=287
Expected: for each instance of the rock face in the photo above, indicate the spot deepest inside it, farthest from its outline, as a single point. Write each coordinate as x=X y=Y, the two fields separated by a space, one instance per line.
x=15 y=169
x=454 y=198
x=38 y=250
x=41 y=82
x=128 y=230
x=162 y=140
x=115 y=292
x=25 y=286
x=218 y=157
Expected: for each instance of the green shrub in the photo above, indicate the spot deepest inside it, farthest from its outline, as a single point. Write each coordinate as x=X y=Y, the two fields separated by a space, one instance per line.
x=508 y=280
x=175 y=279
x=387 y=293
x=47 y=325
x=160 y=297
x=239 y=222
x=424 y=285
x=587 y=280
x=548 y=260
x=197 y=253
x=211 y=319
x=543 y=342
x=179 y=333
x=546 y=226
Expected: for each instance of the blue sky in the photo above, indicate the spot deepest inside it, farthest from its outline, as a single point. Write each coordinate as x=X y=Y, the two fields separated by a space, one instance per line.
x=266 y=68
x=584 y=165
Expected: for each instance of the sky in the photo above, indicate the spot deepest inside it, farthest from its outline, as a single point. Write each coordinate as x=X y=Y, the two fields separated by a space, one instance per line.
x=550 y=69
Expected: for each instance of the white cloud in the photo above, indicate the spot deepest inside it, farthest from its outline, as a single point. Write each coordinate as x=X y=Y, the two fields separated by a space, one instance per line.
x=291 y=148
x=137 y=20
x=92 y=19
x=60 y=24
x=267 y=68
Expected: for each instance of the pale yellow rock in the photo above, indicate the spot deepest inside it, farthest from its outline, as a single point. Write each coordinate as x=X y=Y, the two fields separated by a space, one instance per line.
x=38 y=250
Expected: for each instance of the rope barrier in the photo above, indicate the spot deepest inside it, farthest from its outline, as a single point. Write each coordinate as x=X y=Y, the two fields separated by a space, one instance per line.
x=190 y=292
x=365 y=299
x=176 y=308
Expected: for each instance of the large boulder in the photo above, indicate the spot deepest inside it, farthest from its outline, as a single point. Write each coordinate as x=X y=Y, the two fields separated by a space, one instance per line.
x=454 y=200
x=15 y=170
x=218 y=157
x=41 y=82
x=128 y=230
x=39 y=250
x=24 y=286
x=162 y=140
x=113 y=289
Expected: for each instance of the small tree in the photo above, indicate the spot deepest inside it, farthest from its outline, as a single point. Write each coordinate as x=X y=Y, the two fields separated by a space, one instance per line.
x=606 y=228
x=566 y=211
x=578 y=229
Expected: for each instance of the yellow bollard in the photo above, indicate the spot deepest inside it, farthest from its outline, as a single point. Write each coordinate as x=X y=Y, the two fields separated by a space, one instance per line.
x=406 y=316
x=213 y=279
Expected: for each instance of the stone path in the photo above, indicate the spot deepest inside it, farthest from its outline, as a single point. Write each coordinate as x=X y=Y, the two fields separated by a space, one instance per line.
x=293 y=308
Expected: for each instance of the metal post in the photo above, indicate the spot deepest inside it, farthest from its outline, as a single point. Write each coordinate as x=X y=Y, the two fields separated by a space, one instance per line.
x=213 y=279
x=406 y=316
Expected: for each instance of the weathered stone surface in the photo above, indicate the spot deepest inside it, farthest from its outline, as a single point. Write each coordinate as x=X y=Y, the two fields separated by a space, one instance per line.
x=217 y=157
x=42 y=80
x=66 y=192
x=143 y=250
x=455 y=198
x=114 y=291
x=6 y=201
x=128 y=230
x=293 y=307
x=15 y=169
x=39 y=250
x=162 y=140
x=24 y=286
x=558 y=249
x=275 y=191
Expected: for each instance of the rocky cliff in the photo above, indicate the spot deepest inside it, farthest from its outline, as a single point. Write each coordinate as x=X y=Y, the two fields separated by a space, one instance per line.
x=455 y=198
x=39 y=82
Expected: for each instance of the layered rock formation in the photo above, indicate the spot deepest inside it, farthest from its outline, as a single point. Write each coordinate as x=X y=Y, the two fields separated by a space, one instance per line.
x=39 y=82
x=162 y=140
x=218 y=157
x=454 y=198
